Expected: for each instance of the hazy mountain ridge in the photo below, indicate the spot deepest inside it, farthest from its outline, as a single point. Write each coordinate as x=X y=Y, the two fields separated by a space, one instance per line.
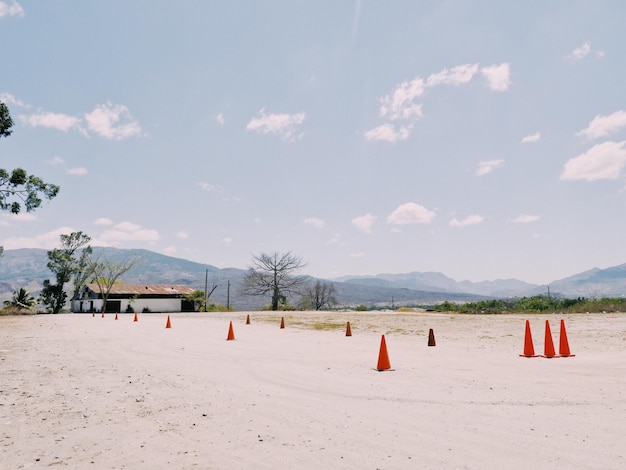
x=27 y=268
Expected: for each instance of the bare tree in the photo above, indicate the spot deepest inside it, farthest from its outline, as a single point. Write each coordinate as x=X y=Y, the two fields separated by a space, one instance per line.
x=105 y=273
x=319 y=296
x=273 y=274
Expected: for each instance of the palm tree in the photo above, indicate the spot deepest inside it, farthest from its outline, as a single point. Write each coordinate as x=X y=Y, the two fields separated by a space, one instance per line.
x=21 y=299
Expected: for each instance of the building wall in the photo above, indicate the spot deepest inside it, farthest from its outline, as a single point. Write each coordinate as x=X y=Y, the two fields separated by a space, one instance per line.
x=154 y=305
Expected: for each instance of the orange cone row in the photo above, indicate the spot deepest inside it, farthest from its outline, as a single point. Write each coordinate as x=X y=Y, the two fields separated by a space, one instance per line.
x=548 y=349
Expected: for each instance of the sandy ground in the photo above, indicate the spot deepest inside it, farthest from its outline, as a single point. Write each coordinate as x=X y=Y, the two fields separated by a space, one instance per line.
x=81 y=392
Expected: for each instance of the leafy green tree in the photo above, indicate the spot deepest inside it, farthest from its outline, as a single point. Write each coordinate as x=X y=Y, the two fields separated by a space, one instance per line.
x=21 y=299
x=198 y=298
x=273 y=274
x=65 y=263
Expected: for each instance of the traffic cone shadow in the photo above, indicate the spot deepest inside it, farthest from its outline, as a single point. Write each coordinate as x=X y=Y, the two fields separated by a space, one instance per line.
x=383 y=357
x=169 y=323
x=548 y=344
x=563 y=343
x=231 y=333
x=529 y=349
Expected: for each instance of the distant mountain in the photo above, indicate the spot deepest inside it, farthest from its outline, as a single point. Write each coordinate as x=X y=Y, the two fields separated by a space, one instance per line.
x=437 y=282
x=27 y=268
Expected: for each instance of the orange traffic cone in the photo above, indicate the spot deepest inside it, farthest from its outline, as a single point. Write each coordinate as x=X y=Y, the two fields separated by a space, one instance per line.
x=529 y=349
x=116 y=315
x=348 y=330
x=563 y=343
x=168 y=324
x=431 y=337
x=282 y=323
x=93 y=314
x=383 y=357
x=231 y=333
x=102 y=313
x=248 y=320
x=135 y=319
x=548 y=345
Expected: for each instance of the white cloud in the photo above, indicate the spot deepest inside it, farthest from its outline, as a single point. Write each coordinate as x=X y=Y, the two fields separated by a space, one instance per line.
x=12 y=9
x=400 y=103
x=473 y=219
x=488 y=166
x=208 y=187
x=284 y=124
x=170 y=250
x=315 y=222
x=21 y=217
x=112 y=121
x=45 y=241
x=410 y=213
x=227 y=241
x=335 y=240
x=601 y=126
x=182 y=235
x=127 y=231
x=532 y=138
x=364 y=222
x=357 y=255
x=104 y=221
x=8 y=98
x=56 y=161
x=583 y=51
x=458 y=75
x=498 y=76
x=77 y=171
x=60 y=122
x=220 y=119
x=602 y=161
x=526 y=219
x=388 y=133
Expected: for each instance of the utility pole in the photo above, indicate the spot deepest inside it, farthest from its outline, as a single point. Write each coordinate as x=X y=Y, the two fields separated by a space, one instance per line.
x=228 y=296
x=206 y=287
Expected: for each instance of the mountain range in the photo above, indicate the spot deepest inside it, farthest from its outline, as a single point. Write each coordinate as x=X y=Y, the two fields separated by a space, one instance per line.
x=27 y=268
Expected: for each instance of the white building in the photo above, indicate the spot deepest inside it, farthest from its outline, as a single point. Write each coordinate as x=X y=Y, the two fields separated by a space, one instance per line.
x=134 y=298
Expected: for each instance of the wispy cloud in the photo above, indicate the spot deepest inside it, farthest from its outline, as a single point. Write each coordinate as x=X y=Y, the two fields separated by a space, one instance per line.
x=8 y=98
x=602 y=161
x=182 y=235
x=487 y=166
x=532 y=138
x=56 y=121
x=402 y=103
x=456 y=76
x=601 y=126
x=124 y=232
x=410 y=213
x=11 y=9
x=45 y=241
x=526 y=219
x=498 y=76
x=109 y=121
x=284 y=125
x=388 y=133
x=77 y=171
x=583 y=51
x=220 y=119
x=364 y=222
x=208 y=187
x=103 y=221
x=315 y=222
x=473 y=219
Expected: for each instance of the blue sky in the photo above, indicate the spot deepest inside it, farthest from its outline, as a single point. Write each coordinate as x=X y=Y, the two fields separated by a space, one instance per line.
x=483 y=139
